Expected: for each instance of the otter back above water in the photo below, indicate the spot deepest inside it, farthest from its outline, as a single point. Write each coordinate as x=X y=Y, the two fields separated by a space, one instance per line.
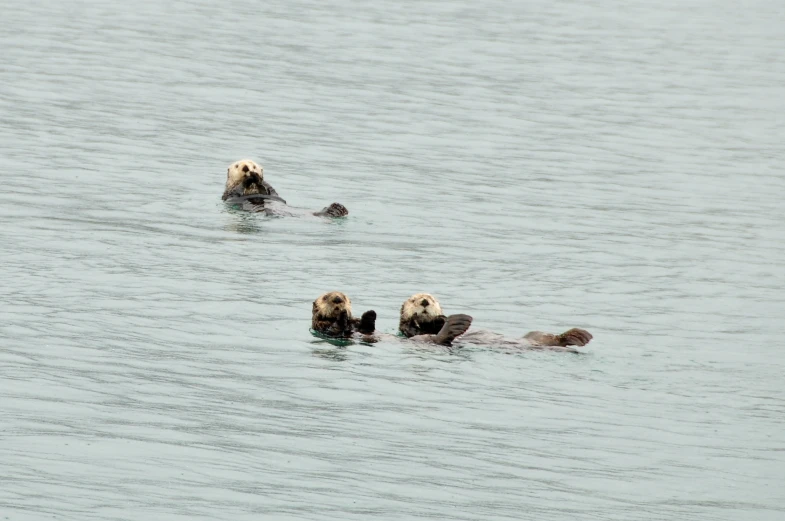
x=537 y=165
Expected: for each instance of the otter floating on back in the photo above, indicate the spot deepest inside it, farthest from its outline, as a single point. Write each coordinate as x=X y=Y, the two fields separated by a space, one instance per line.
x=422 y=314
x=331 y=316
x=245 y=185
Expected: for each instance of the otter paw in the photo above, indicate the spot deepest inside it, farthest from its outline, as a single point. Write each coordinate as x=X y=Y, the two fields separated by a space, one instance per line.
x=575 y=337
x=252 y=179
x=342 y=322
x=368 y=322
x=335 y=210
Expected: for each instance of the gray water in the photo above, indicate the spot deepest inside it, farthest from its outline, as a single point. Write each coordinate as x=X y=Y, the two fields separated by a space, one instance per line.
x=539 y=165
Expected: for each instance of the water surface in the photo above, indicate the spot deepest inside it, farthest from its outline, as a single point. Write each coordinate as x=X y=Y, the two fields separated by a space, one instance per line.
x=540 y=165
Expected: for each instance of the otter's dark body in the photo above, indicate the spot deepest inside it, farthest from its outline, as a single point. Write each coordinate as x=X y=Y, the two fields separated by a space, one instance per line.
x=269 y=202
x=344 y=325
x=532 y=340
x=416 y=321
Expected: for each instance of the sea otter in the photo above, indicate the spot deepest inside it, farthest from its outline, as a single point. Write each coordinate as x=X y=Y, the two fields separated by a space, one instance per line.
x=245 y=185
x=331 y=316
x=422 y=314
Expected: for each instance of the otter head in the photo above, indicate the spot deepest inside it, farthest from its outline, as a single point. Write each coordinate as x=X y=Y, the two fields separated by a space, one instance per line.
x=422 y=307
x=331 y=305
x=421 y=314
x=245 y=173
x=332 y=315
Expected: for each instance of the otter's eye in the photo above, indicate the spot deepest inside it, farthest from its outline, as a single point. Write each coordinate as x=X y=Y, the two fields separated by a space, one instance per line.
x=324 y=297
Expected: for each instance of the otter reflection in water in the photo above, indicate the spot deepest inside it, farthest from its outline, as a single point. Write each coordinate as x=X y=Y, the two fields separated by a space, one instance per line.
x=245 y=185
x=422 y=314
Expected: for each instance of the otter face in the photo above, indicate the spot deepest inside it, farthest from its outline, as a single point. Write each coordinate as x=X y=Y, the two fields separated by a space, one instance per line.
x=421 y=307
x=332 y=304
x=242 y=171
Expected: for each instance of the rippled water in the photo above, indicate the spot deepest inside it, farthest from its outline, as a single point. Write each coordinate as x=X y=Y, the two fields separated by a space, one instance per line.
x=539 y=165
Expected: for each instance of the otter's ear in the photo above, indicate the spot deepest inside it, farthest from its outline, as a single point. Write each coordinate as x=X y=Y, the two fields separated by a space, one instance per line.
x=313 y=309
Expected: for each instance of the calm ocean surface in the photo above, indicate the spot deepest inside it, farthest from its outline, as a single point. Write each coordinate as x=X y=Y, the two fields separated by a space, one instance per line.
x=540 y=165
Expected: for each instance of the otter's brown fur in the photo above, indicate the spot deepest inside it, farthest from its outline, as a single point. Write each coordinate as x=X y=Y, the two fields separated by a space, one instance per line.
x=421 y=313
x=422 y=320
x=331 y=315
x=246 y=177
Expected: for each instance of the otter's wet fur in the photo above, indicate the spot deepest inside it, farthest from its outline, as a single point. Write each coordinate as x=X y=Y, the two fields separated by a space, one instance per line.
x=245 y=178
x=331 y=316
x=422 y=320
x=421 y=314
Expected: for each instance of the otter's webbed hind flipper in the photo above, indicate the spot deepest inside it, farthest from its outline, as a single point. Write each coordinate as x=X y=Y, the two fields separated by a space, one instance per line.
x=575 y=337
x=454 y=326
x=572 y=337
x=334 y=210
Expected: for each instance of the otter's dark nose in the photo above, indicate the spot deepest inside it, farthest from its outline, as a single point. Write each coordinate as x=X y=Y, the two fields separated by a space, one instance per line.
x=337 y=300
x=424 y=302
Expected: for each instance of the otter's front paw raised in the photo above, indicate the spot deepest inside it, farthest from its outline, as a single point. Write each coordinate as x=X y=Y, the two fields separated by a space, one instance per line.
x=342 y=323
x=575 y=337
x=335 y=210
x=252 y=179
x=367 y=322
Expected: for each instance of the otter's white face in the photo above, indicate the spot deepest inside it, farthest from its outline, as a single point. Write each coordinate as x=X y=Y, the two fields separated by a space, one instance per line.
x=238 y=171
x=331 y=304
x=421 y=305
